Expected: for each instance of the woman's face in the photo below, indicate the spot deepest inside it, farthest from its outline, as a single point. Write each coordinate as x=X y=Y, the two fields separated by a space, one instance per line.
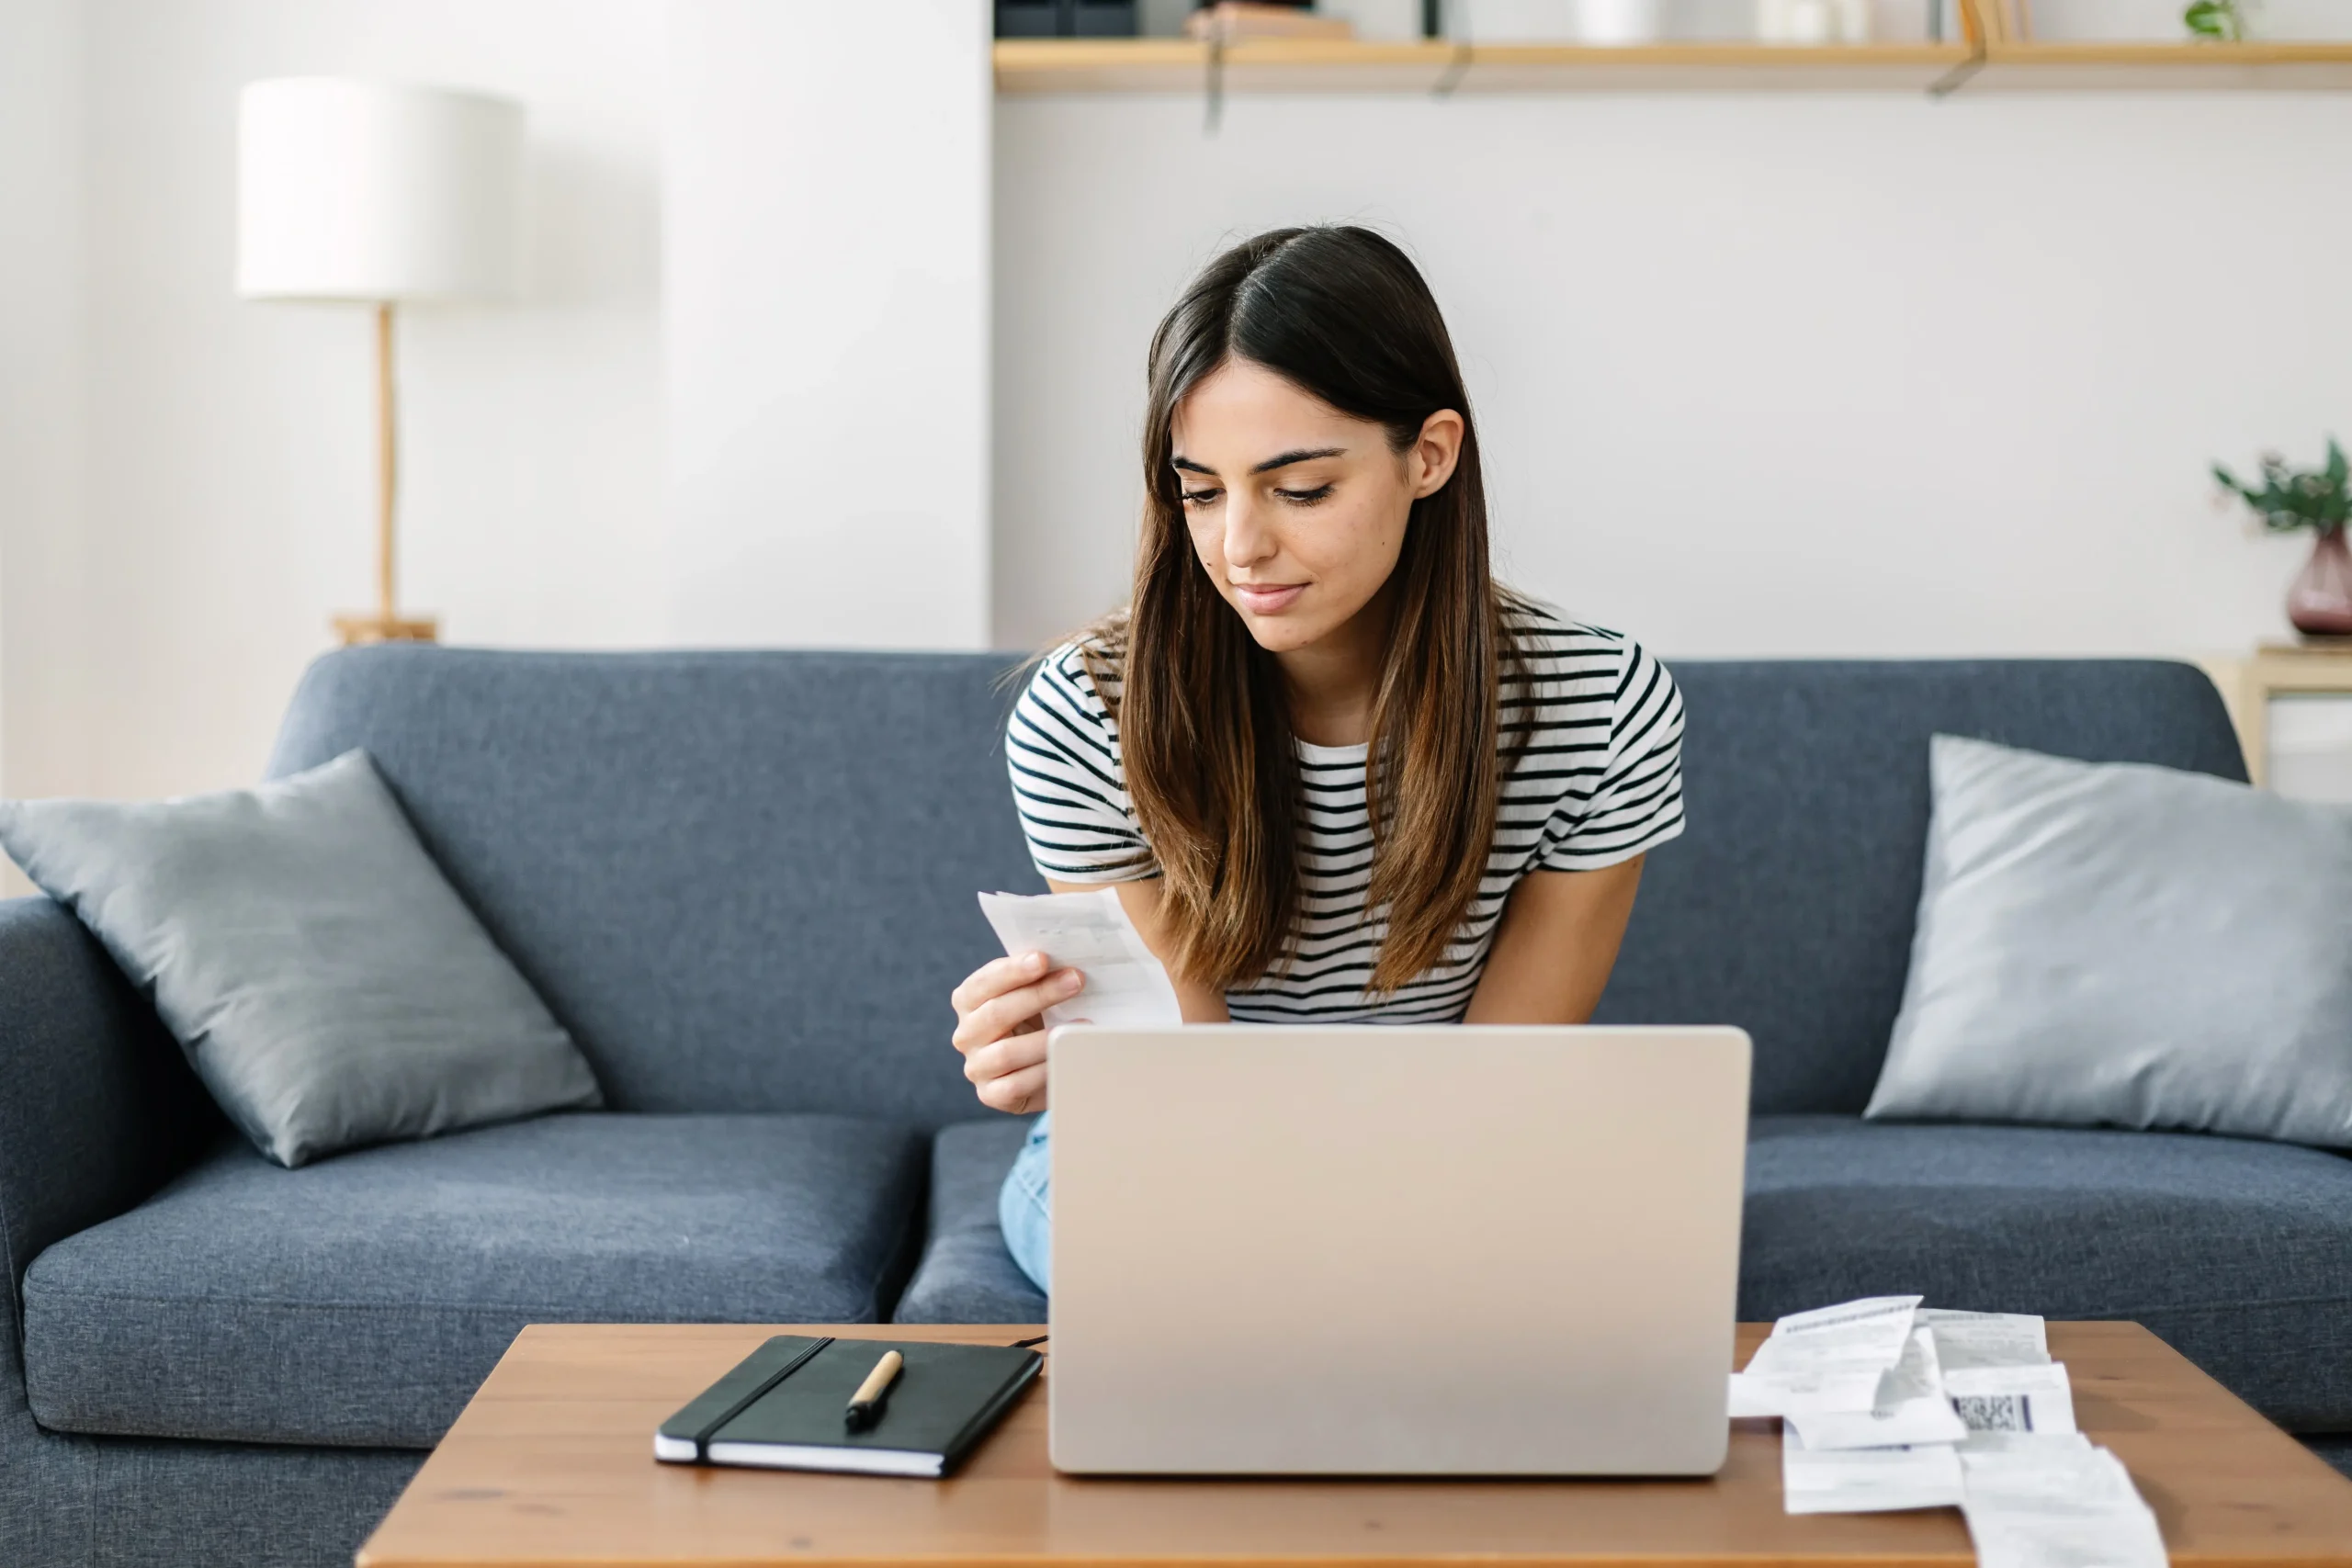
x=1297 y=510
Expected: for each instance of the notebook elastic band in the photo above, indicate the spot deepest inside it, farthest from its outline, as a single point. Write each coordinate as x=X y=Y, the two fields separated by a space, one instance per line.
x=710 y=1428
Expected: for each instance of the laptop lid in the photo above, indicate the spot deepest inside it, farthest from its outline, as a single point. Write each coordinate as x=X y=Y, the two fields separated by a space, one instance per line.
x=1352 y=1250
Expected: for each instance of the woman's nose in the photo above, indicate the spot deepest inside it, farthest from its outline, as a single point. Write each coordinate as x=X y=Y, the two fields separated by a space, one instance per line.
x=1247 y=541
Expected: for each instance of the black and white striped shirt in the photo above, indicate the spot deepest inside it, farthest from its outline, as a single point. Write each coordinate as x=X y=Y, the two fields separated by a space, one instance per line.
x=1599 y=781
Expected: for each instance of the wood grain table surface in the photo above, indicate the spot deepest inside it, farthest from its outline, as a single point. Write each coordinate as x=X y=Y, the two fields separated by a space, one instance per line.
x=551 y=1466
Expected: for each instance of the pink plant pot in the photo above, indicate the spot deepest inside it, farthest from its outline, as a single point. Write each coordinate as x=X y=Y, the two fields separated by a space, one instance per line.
x=2320 y=603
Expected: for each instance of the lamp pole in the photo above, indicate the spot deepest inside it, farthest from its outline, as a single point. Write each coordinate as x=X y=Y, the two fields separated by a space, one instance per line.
x=387 y=467
x=387 y=625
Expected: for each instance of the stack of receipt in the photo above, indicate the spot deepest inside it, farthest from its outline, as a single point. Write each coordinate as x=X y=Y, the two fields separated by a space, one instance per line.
x=1886 y=1404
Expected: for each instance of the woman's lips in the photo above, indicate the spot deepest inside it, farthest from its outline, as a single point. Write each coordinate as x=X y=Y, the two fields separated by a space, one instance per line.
x=1268 y=598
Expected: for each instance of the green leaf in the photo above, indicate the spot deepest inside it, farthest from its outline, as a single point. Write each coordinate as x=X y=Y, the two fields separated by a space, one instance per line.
x=2289 y=498
x=2220 y=19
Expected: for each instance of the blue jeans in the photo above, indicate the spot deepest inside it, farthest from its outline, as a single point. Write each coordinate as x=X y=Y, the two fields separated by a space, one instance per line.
x=1024 y=1206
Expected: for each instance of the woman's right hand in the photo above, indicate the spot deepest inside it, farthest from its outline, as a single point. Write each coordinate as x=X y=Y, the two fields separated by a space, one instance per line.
x=999 y=1032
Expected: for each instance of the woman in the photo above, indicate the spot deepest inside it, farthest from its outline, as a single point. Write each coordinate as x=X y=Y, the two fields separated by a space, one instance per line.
x=1336 y=772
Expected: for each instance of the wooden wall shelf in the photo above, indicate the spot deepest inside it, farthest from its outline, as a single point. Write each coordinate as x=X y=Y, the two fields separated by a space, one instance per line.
x=1179 y=66
x=2162 y=67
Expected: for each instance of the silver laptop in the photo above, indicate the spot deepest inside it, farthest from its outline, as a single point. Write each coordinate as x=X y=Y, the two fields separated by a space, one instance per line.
x=1402 y=1251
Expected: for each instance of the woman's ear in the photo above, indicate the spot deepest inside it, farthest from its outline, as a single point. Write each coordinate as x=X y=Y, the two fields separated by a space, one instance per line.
x=1431 y=459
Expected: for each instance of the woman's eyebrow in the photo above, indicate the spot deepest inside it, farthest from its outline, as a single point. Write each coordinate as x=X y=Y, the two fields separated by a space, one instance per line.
x=1287 y=459
x=1284 y=460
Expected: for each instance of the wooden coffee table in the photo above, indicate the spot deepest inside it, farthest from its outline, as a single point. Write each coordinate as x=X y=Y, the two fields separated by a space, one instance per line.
x=551 y=1465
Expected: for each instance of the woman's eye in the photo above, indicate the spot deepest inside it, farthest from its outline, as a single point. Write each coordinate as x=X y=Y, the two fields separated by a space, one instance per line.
x=1305 y=497
x=1201 y=497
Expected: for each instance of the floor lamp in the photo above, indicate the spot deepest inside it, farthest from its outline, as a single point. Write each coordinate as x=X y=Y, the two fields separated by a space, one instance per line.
x=358 y=192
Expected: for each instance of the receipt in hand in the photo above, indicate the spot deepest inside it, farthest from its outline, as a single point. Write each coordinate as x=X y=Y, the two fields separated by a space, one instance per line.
x=1126 y=986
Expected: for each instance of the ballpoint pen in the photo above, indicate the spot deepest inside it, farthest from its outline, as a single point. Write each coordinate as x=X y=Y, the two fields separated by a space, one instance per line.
x=866 y=1405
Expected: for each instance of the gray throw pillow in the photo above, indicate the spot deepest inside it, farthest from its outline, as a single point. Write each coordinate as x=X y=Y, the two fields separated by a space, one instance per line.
x=327 y=981
x=2126 y=945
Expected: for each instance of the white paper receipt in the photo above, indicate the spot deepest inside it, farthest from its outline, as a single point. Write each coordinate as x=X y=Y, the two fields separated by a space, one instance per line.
x=2056 y=1506
x=1866 y=1481
x=1911 y=1408
x=1826 y=1361
x=1965 y=1339
x=2013 y=1399
x=1125 y=986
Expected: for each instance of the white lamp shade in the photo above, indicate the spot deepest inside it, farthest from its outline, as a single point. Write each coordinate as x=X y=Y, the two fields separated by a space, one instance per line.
x=357 y=190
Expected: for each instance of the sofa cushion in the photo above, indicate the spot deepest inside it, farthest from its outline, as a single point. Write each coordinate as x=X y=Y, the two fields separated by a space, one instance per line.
x=2237 y=1252
x=2111 y=944
x=965 y=1275
x=361 y=1300
x=327 y=983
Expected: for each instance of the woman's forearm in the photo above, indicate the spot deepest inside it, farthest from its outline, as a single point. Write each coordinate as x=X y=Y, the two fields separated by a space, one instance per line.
x=1555 y=946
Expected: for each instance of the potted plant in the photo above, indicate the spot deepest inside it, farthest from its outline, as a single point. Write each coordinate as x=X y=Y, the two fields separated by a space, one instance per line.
x=2320 y=603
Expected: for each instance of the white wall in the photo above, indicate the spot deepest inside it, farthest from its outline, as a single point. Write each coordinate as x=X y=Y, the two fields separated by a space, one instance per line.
x=227 y=501
x=827 y=254
x=1807 y=375
x=222 y=496
x=42 y=746
x=41 y=388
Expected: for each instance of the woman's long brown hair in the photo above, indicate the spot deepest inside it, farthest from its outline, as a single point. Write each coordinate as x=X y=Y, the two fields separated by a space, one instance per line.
x=1204 y=721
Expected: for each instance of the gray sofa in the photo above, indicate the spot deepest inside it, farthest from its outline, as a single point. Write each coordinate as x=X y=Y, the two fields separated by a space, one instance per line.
x=746 y=881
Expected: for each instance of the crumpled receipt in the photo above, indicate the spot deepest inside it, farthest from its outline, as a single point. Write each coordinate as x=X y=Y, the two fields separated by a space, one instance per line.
x=1911 y=1407
x=1827 y=1360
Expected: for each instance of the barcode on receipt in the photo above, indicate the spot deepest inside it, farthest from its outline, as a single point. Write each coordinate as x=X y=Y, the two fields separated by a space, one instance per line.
x=1995 y=1412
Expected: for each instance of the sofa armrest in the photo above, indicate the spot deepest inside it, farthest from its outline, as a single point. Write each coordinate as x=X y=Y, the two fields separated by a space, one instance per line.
x=97 y=1107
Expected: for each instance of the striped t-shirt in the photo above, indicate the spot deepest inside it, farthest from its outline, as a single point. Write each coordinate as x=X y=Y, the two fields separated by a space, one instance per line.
x=1598 y=781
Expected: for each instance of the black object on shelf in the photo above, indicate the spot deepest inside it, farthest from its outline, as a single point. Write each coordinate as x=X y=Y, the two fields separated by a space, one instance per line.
x=1433 y=18
x=1065 y=18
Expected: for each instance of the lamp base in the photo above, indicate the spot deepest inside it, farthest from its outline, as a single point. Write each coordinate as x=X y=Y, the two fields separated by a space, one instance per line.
x=356 y=629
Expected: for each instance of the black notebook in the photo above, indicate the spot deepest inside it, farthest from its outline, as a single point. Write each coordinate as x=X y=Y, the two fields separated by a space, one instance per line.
x=783 y=1407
